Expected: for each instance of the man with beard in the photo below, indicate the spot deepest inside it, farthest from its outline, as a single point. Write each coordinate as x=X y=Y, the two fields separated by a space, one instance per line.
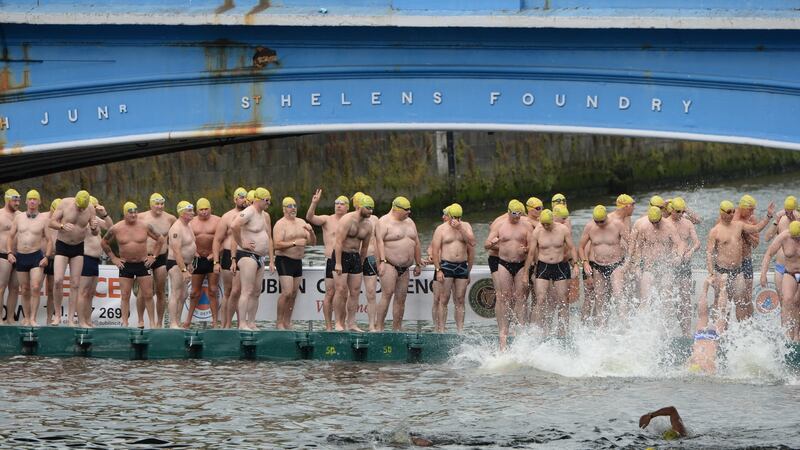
x=25 y=250
x=291 y=236
x=453 y=249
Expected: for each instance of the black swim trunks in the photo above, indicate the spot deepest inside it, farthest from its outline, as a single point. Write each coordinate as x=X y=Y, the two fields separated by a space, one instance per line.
x=370 y=268
x=161 y=260
x=69 y=250
x=91 y=266
x=732 y=274
x=202 y=265
x=28 y=261
x=458 y=270
x=511 y=267
x=493 y=262
x=225 y=262
x=288 y=267
x=48 y=269
x=134 y=270
x=329 y=266
x=747 y=268
x=351 y=262
x=606 y=269
x=553 y=272
x=170 y=264
x=260 y=260
x=400 y=269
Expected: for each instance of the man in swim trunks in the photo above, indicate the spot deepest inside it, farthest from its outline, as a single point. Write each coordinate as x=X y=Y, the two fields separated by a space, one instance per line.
x=350 y=249
x=725 y=254
x=437 y=287
x=398 y=249
x=134 y=261
x=161 y=221
x=453 y=253
x=657 y=250
x=607 y=241
x=683 y=273
x=329 y=223
x=223 y=237
x=92 y=249
x=25 y=250
x=789 y=243
x=8 y=277
x=553 y=253
x=511 y=239
x=49 y=251
x=291 y=235
x=677 y=430
x=744 y=213
x=71 y=218
x=781 y=223
x=253 y=240
x=561 y=215
x=182 y=250
x=204 y=225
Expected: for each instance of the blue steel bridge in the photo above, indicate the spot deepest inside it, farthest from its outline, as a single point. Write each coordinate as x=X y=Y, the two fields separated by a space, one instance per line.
x=83 y=83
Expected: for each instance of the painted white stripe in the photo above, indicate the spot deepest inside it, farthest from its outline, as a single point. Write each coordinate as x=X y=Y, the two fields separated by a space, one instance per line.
x=391 y=126
x=741 y=21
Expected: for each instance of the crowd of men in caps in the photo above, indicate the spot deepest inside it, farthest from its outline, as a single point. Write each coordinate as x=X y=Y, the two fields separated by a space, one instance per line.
x=535 y=265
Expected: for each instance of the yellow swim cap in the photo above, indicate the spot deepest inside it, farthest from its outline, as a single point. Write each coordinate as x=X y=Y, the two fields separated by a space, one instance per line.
x=240 y=192
x=357 y=198
x=93 y=200
x=251 y=195
x=747 y=201
x=82 y=199
x=401 y=203
x=516 y=206
x=694 y=368
x=624 y=200
x=794 y=229
x=261 y=194
x=726 y=207
x=678 y=204
x=561 y=211
x=790 y=204
x=657 y=201
x=343 y=200
x=455 y=211
x=669 y=206
x=534 y=203
x=203 y=203
x=670 y=435
x=654 y=214
x=156 y=198
x=546 y=217
x=54 y=204
x=33 y=194
x=129 y=207
x=288 y=201
x=446 y=210
x=183 y=205
x=11 y=193
x=366 y=202
x=558 y=198
x=599 y=213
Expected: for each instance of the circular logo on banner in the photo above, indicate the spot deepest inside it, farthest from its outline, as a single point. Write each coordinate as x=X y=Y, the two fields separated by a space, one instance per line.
x=203 y=310
x=767 y=300
x=482 y=298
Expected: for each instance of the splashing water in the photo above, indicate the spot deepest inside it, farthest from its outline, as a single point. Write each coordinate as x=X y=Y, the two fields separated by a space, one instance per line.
x=646 y=344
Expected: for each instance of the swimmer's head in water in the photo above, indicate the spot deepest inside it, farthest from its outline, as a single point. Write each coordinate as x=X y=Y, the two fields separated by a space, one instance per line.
x=54 y=204
x=534 y=203
x=129 y=207
x=262 y=194
x=726 y=207
x=670 y=435
x=657 y=201
x=455 y=211
x=694 y=368
x=654 y=214
x=366 y=202
x=82 y=199
x=156 y=199
x=94 y=201
x=678 y=205
x=599 y=214
x=357 y=199
x=203 y=203
x=557 y=199
x=33 y=194
x=794 y=229
x=516 y=208
x=240 y=192
x=561 y=211
x=747 y=202
x=184 y=206
x=790 y=204
x=547 y=217
x=401 y=203
x=624 y=200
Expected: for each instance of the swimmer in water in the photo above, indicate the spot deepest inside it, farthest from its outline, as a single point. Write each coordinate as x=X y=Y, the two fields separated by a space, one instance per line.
x=706 y=338
x=677 y=430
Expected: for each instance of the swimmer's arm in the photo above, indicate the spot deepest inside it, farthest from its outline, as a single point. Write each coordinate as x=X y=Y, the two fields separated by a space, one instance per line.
x=50 y=248
x=582 y=244
x=219 y=236
x=772 y=230
x=711 y=246
x=312 y=218
x=695 y=241
x=312 y=237
x=692 y=216
x=435 y=249
x=341 y=234
x=571 y=250
x=280 y=235
x=470 y=257
x=175 y=246
x=363 y=250
x=756 y=228
x=674 y=419
x=271 y=243
x=379 y=250
x=676 y=239
x=625 y=237
x=55 y=220
x=154 y=235
x=633 y=244
x=96 y=230
x=417 y=249
x=771 y=251
x=533 y=249
x=490 y=244
x=236 y=227
x=466 y=232
x=105 y=243
x=12 y=237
